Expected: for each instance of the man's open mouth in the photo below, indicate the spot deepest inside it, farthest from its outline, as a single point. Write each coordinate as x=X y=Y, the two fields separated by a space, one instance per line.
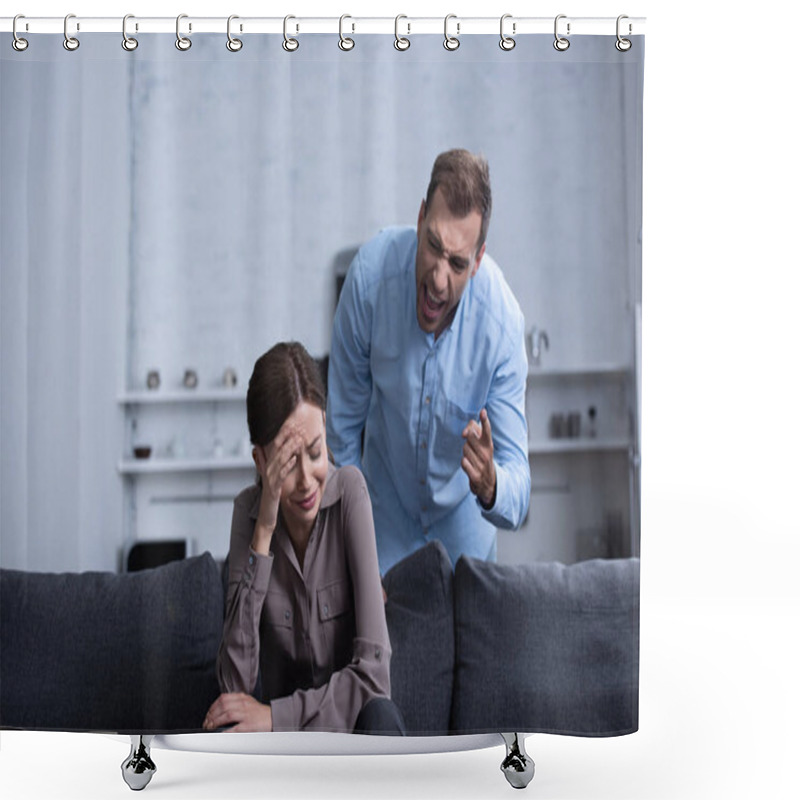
x=430 y=307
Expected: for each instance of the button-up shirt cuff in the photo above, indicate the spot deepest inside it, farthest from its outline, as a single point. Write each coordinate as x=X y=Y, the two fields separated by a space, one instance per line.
x=501 y=514
x=258 y=570
x=374 y=660
x=285 y=714
x=371 y=650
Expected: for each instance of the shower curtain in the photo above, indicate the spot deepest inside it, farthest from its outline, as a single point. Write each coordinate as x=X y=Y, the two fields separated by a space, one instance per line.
x=169 y=211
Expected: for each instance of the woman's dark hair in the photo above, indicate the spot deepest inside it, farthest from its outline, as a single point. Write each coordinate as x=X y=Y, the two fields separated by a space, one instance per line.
x=282 y=378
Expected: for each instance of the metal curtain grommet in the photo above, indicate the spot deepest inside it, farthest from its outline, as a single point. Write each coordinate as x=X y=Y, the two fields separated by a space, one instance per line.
x=289 y=44
x=451 y=42
x=561 y=43
x=233 y=44
x=18 y=43
x=345 y=42
x=128 y=42
x=182 y=42
x=623 y=45
x=400 y=42
x=507 y=42
x=70 y=42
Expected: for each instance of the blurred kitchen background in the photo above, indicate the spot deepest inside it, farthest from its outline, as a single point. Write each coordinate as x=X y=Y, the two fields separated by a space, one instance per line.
x=168 y=225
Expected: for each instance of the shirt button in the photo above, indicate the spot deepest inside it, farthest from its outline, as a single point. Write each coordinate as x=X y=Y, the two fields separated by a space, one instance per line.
x=428 y=400
x=424 y=445
x=377 y=654
x=425 y=531
x=287 y=614
x=325 y=609
x=424 y=508
x=252 y=560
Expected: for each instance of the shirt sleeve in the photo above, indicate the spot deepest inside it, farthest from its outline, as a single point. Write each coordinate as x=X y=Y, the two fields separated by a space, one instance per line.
x=349 y=377
x=506 y=409
x=336 y=705
x=248 y=579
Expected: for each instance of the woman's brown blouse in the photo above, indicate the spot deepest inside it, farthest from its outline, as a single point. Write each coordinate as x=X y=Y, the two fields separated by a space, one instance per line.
x=318 y=633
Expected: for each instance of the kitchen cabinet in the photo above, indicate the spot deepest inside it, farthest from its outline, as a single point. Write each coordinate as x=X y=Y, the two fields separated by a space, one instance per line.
x=584 y=486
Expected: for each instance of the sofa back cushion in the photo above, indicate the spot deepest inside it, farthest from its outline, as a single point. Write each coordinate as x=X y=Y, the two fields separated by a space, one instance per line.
x=419 y=614
x=131 y=652
x=546 y=647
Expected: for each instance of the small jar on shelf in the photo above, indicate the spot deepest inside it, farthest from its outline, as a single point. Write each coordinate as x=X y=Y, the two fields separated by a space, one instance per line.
x=591 y=428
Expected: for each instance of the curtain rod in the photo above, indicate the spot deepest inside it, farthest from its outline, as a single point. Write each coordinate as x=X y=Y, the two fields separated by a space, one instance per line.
x=406 y=26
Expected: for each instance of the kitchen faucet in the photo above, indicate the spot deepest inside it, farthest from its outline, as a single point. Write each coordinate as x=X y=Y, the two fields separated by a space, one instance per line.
x=537 y=338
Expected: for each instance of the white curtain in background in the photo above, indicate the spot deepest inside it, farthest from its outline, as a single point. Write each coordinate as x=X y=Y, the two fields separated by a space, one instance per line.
x=65 y=204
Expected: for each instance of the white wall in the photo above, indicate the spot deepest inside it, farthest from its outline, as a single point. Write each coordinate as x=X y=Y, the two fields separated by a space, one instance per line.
x=252 y=172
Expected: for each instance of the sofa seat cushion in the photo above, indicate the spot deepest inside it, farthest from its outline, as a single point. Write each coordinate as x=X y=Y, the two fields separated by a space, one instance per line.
x=131 y=652
x=546 y=647
x=419 y=615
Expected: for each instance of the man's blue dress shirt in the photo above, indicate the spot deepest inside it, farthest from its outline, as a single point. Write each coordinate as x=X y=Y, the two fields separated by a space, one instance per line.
x=414 y=395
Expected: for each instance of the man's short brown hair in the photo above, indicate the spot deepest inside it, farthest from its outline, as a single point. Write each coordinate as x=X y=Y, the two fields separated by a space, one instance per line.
x=464 y=180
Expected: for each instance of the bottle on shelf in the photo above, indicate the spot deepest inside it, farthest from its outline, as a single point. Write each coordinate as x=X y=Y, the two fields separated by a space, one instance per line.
x=591 y=428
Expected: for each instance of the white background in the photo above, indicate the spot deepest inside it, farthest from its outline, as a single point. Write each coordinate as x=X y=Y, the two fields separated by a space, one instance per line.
x=720 y=521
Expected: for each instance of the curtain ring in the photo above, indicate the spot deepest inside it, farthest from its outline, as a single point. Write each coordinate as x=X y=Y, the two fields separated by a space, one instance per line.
x=128 y=42
x=451 y=42
x=561 y=43
x=345 y=42
x=70 y=42
x=233 y=44
x=400 y=42
x=623 y=45
x=507 y=42
x=181 y=42
x=289 y=44
x=18 y=43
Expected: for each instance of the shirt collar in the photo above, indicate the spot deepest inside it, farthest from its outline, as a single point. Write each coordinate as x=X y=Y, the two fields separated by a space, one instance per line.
x=333 y=490
x=461 y=308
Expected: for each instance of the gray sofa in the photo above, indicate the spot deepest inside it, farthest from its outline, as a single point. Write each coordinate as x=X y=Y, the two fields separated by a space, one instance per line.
x=482 y=648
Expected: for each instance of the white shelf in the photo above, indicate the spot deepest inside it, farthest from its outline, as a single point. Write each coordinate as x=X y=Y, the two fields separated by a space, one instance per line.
x=581 y=445
x=140 y=466
x=152 y=396
x=593 y=371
